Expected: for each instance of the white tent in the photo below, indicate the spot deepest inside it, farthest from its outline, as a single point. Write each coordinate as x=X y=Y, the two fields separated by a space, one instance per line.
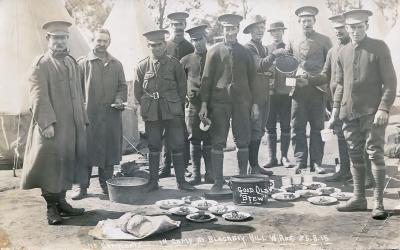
x=393 y=41
x=378 y=28
x=128 y=20
x=22 y=40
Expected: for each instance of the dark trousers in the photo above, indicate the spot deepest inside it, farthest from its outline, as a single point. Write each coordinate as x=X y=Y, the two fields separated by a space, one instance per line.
x=361 y=135
x=308 y=106
x=105 y=173
x=280 y=110
x=221 y=114
x=172 y=130
x=196 y=135
x=167 y=159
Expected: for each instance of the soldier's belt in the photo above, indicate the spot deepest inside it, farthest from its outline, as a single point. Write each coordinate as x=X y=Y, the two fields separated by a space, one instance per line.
x=154 y=95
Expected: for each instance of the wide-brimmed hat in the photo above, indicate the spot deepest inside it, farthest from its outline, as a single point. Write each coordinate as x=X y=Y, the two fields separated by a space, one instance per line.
x=252 y=21
x=278 y=25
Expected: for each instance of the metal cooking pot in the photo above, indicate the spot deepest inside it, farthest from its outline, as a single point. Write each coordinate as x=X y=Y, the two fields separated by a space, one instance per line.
x=128 y=190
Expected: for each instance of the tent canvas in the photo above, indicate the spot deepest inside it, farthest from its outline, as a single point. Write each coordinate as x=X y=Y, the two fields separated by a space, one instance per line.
x=128 y=20
x=23 y=40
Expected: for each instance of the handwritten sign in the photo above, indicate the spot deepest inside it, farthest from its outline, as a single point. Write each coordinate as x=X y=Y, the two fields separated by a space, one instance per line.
x=249 y=193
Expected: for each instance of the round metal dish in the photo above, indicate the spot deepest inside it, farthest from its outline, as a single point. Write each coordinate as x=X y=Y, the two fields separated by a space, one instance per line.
x=128 y=190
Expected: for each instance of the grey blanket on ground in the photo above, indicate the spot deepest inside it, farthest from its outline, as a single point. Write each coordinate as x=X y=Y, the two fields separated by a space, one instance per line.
x=131 y=226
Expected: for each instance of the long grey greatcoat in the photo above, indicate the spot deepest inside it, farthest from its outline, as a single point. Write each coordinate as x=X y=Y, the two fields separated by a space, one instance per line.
x=104 y=83
x=56 y=98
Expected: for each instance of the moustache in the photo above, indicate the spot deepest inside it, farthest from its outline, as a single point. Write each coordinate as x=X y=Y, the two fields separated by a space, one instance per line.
x=179 y=31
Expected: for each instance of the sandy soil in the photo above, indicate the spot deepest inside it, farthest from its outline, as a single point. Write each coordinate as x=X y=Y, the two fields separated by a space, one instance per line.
x=276 y=225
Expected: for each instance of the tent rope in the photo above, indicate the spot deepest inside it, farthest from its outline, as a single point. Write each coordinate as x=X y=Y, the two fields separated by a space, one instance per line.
x=16 y=151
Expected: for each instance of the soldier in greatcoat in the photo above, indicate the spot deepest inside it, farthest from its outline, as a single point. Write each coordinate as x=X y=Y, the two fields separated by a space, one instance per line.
x=55 y=154
x=105 y=92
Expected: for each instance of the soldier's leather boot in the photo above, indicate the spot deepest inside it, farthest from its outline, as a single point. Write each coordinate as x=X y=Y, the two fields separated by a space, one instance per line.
x=217 y=159
x=53 y=216
x=154 y=163
x=195 y=154
x=254 y=167
x=208 y=176
x=272 y=160
x=80 y=194
x=318 y=169
x=379 y=173
x=358 y=201
x=105 y=174
x=178 y=163
x=341 y=175
x=65 y=209
x=165 y=170
x=299 y=167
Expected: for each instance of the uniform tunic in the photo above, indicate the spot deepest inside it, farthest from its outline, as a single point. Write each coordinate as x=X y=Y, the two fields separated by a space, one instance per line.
x=330 y=71
x=179 y=50
x=262 y=63
x=280 y=101
x=193 y=64
x=228 y=86
x=104 y=84
x=56 y=98
x=308 y=103
x=160 y=88
x=366 y=83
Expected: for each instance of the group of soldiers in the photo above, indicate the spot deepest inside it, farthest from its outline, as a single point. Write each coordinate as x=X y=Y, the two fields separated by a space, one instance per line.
x=190 y=96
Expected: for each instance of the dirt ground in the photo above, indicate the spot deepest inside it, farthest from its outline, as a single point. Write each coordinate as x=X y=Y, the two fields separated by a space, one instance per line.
x=275 y=225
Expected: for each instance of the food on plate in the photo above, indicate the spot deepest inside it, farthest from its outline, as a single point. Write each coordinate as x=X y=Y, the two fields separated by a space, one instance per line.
x=322 y=200
x=221 y=209
x=293 y=188
x=342 y=195
x=236 y=216
x=308 y=193
x=288 y=196
x=327 y=190
x=189 y=199
x=200 y=216
x=204 y=204
x=166 y=204
x=315 y=185
x=184 y=209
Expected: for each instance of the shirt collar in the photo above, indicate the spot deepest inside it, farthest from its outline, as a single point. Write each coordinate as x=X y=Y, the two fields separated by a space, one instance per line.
x=200 y=54
x=161 y=60
x=92 y=56
x=256 y=42
x=309 y=34
x=356 y=45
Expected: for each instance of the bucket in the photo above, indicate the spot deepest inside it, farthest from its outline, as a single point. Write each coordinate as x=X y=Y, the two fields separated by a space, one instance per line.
x=128 y=190
x=250 y=190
